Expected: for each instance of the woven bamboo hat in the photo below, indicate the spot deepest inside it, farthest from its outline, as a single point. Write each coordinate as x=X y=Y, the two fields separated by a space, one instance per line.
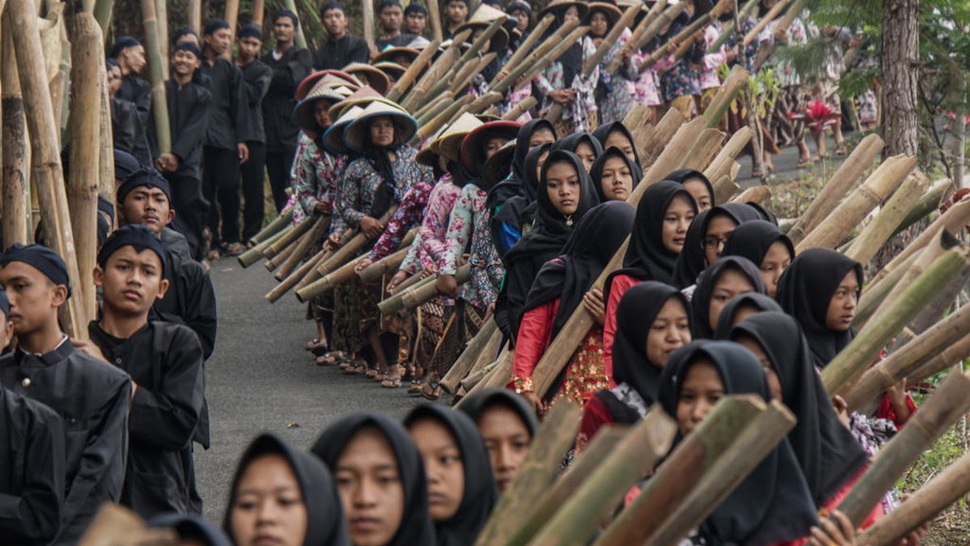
x=481 y=19
x=393 y=54
x=393 y=71
x=303 y=112
x=369 y=75
x=609 y=9
x=450 y=140
x=362 y=97
x=333 y=138
x=405 y=126
x=558 y=6
x=337 y=77
x=473 y=145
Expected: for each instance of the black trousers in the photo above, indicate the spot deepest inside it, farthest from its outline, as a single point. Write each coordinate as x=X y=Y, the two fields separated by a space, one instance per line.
x=278 y=166
x=220 y=186
x=252 y=184
x=190 y=210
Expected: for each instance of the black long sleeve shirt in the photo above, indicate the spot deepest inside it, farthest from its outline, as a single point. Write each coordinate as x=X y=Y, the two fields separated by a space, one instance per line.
x=336 y=54
x=188 y=115
x=288 y=71
x=139 y=92
x=257 y=77
x=228 y=123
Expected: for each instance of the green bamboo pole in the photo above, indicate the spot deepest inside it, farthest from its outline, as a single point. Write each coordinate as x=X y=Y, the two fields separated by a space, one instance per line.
x=927 y=204
x=312 y=239
x=16 y=207
x=635 y=42
x=736 y=81
x=290 y=237
x=255 y=254
x=284 y=219
x=102 y=12
x=156 y=72
x=411 y=75
x=161 y=12
x=875 y=293
x=890 y=216
x=721 y=164
x=288 y=283
x=375 y=271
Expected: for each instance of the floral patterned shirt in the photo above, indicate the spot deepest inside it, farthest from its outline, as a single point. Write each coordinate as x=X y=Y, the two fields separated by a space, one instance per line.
x=434 y=226
x=552 y=78
x=614 y=93
x=707 y=76
x=486 y=266
x=680 y=79
x=465 y=213
x=314 y=174
x=647 y=85
x=408 y=215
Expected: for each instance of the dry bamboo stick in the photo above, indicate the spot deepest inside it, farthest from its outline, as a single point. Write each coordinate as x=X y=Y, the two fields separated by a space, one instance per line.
x=526 y=46
x=483 y=360
x=927 y=204
x=102 y=12
x=727 y=30
x=514 y=74
x=329 y=281
x=195 y=16
x=465 y=75
x=439 y=121
x=283 y=255
x=232 y=16
x=395 y=303
x=156 y=66
x=633 y=458
x=288 y=283
x=433 y=107
x=929 y=255
x=721 y=165
x=951 y=355
x=438 y=72
x=107 y=186
x=875 y=293
x=763 y=22
x=347 y=250
x=467 y=359
x=421 y=295
x=410 y=75
x=851 y=170
x=161 y=11
x=476 y=47
x=754 y=194
x=879 y=186
x=634 y=43
x=485 y=102
x=557 y=51
x=624 y=22
x=16 y=183
x=722 y=7
x=669 y=159
x=949 y=403
x=725 y=189
x=385 y=265
x=637 y=116
x=884 y=223
x=259 y=7
x=434 y=13
x=407 y=283
x=708 y=145
x=661 y=133
x=554 y=438
x=736 y=81
x=520 y=108
x=278 y=224
x=255 y=254
x=500 y=375
x=289 y=237
x=312 y=239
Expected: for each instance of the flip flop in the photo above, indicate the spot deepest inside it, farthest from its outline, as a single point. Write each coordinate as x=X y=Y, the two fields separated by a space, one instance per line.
x=391 y=382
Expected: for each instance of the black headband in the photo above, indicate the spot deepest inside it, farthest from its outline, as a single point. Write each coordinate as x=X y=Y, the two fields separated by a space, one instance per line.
x=136 y=235
x=40 y=258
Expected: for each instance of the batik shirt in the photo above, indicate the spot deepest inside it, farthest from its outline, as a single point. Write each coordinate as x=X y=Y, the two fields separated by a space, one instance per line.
x=486 y=265
x=680 y=79
x=614 y=94
x=707 y=76
x=461 y=225
x=315 y=174
x=408 y=215
x=552 y=78
x=434 y=227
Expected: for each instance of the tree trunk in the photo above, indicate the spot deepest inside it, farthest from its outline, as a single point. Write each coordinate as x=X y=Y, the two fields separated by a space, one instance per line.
x=900 y=58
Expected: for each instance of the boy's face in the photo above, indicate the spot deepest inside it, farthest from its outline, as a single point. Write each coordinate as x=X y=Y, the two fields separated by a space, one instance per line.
x=131 y=281
x=148 y=206
x=219 y=41
x=34 y=299
x=391 y=18
x=249 y=47
x=415 y=22
x=284 y=30
x=185 y=63
x=457 y=12
x=335 y=22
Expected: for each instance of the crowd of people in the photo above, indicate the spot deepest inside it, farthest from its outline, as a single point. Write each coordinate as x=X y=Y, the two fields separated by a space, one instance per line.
x=512 y=220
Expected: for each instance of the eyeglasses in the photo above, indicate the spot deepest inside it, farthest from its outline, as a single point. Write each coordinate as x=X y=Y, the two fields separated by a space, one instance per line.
x=713 y=241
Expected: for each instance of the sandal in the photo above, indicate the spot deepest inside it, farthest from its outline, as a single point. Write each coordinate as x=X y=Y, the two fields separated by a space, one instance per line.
x=331 y=358
x=344 y=363
x=357 y=366
x=802 y=163
x=391 y=382
x=431 y=391
x=841 y=150
x=372 y=373
x=415 y=388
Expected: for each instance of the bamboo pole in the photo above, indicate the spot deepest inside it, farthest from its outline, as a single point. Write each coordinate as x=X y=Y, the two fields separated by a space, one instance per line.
x=852 y=361
x=289 y=237
x=875 y=293
x=636 y=40
x=119 y=526
x=195 y=16
x=493 y=26
x=434 y=13
x=156 y=72
x=637 y=116
x=255 y=254
x=851 y=170
x=728 y=29
x=467 y=359
x=624 y=22
x=433 y=107
x=754 y=194
x=313 y=238
x=725 y=189
x=102 y=12
x=232 y=17
x=385 y=265
x=943 y=490
x=526 y=47
x=85 y=128
x=410 y=75
x=349 y=249
x=949 y=403
x=420 y=295
x=661 y=134
x=438 y=71
x=722 y=7
x=48 y=176
x=927 y=204
x=514 y=74
x=343 y=274
x=107 y=186
x=463 y=78
x=671 y=156
x=283 y=255
x=278 y=224
x=501 y=374
x=948 y=357
x=558 y=50
x=721 y=164
x=484 y=102
x=288 y=283
x=17 y=225
x=903 y=362
x=537 y=471
x=880 y=184
x=300 y=39
x=736 y=81
x=885 y=222
x=161 y=11
x=259 y=9
x=441 y=119
x=927 y=256
x=313 y=274
x=752 y=34
x=633 y=458
x=708 y=145
x=517 y=110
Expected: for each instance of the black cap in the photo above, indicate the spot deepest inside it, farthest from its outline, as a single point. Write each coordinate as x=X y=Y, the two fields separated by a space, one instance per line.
x=40 y=258
x=136 y=235
x=147 y=177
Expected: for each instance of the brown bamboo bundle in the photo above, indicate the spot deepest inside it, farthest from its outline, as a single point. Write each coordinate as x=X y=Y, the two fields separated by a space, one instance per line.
x=284 y=255
x=635 y=456
x=538 y=470
x=289 y=237
x=708 y=145
x=721 y=164
x=255 y=254
x=949 y=403
x=156 y=72
x=16 y=184
x=526 y=47
x=653 y=144
x=727 y=30
x=484 y=102
x=935 y=309
x=948 y=357
x=312 y=239
x=294 y=279
x=278 y=224
x=84 y=123
x=722 y=7
x=439 y=121
x=909 y=358
x=852 y=361
x=410 y=75
x=107 y=186
x=516 y=111
x=368 y=16
x=326 y=283
x=736 y=81
x=433 y=106
x=48 y=176
x=634 y=43
x=434 y=13
x=232 y=15
x=120 y=526
x=875 y=293
x=884 y=223
x=476 y=47
x=851 y=170
x=408 y=283
x=195 y=16
x=423 y=294
x=395 y=302
x=465 y=75
x=466 y=360
x=350 y=248
x=725 y=189
x=943 y=490
x=500 y=375
x=470 y=383
x=752 y=34
x=557 y=51
x=514 y=74
x=637 y=116
x=671 y=156
x=102 y=12
x=624 y=22
x=437 y=72
x=58 y=87
x=385 y=265
x=683 y=469
x=879 y=186
x=755 y=194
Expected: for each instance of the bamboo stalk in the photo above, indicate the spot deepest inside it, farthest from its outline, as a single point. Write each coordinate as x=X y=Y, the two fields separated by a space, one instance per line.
x=665 y=129
x=329 y=281
x=624 y=22
x=927 y=204
x=637 y=116
x=312 y=239
x=385 y=265
x=255 y=254
x=107 y=186
x=484 y=102
x=347 y=250
x=258 y=10
x=526 y=46
x=437 y=72
x=407 y=283
x=434 y=13
x=16 y=183
x=634 y=457
x=950 y=356
x=395 y=303
x=671 y=156
x=232 y=17
x=441 y=119
x=752 y=34
x=288 y=283
x=725 y=189
x=736 y=81
x=118 y=525
x=721 y=165
x=728 y=30
x=433 y=107
x=21 y=16
x=875 y=293
x=637 y=40
x=949 y=403
x=852 y=361
x=537 y=471
x=485 y=36
x=851 y=170
x=557 y=51
x=465 y=75
x=722 y=7
x=500 y=375
x=85 y=127
x=300 y=39
x=289 y=237
x=420 y=295
x=516 y=111
x=754 y=194
x=880 y=184
x=516 y=72
x=708 y=145
x=156 y=72
x=467 y=359
x=161 y=11
x=283 y=255
x=884 y=224
x=195 y=16
x=102 y=12
x=278 y=224
x=410 y=75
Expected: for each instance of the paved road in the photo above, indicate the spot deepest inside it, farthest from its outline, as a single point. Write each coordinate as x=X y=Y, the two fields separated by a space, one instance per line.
x=261 y=379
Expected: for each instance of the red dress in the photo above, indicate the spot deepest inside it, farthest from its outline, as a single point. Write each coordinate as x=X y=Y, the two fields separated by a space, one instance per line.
x=619 y=284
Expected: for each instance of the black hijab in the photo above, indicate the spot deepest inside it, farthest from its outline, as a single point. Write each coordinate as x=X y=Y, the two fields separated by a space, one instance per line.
x=725 y=322
x=416 y=527
x=590 y=247
x=517 y=211
x=326 y=524
x=480 y=493
x=476 y=404
x=805 y=290
x=604 y=131
x=571 y=142
x=379 y=159
x=683 y=175
x=188 y=526
x=647 y=258
x=690 y=263
x=596 y=170
x=519 y=170
x=753 y=239
x=572 y=60
x=773 y=504
x=739 y=212
x=701 y=302
x=827 y=452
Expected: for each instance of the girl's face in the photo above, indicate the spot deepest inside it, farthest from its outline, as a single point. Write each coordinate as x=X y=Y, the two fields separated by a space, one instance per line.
x=586 y=152
x=508 y=442
x=562 y=187
x=842 y=306
x=321 y=113
x=572 y=14
x=370 y=488
x=775 y=262
x=493 y=145
x=677 y=219
x=700 y=391
x=700 y=193
x=598 y=25
x=774 y=385
x=718 y=230
x=541 y=136
x=382 y=131
x=616 y=179
x=618 y=140
x=729 y=284
x=443 y=465
x=521 y=19
x=268 y=505
x=670 y=331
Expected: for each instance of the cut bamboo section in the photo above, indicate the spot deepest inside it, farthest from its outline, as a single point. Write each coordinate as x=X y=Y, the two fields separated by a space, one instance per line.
x=875 y=293
x=500 y=375
x=120 y=526
x=300 y=250
x=482 y=362
x=349 y=249
x=538 y=470
x=395 y=303
x=557 y=51
x=890 y=216
x=735 y=82
x=156 y=72
x=943 y=490
x=467 y=359
x=526 y=46
x=232 y=16
x=289 y=237
x=851 y=170
x=708 y=145
x=635 y=42
x=439 y=121
x=421 y=295
x=661 y=20
x=876 y=189
x=294 y=279
x=433 y=107
x=484 y=102
x=697 y=24
x=635 y=456
x=949 y=403
x=516 y=111
x=465 y=75
x=909 y=358
x=638 y=117
x=278 y=224
x=378 y=269
x=928 y=203
x=48 y=176
x=752 y=34
x=16 y=183
x=754 y=194
x=410 y=76
x=720 y=166
x=725 y=189
x=255 y=254
x=534 y=58
x=671 y=156
x=854 y=359
x=283 y=255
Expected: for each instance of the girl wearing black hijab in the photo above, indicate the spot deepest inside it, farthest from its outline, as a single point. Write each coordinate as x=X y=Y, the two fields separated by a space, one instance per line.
x=306 y=509
x=380 y=478
x=664 y=215
x=460 y=483
x=765 y=245
x=654 y=321
x=191 y=530
x=508 y=425
x=616 y=135
x=773 y=505
x=560 y=287
x=583 y=144
x=740 y=308
x=720 y=223
x=566 y=194
x=690 y=263
x=614 y=175
x=697 y=184
x=725 y=279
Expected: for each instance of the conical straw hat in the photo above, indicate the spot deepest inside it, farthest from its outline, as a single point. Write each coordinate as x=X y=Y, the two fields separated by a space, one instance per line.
x=310 y=81
x=369 y=75
x=405 y=126
x=333 y=139
x=303 y=113
x=449 y=142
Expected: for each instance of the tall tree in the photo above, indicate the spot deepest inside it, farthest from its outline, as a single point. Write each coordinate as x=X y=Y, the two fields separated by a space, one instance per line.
x=900 y=69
